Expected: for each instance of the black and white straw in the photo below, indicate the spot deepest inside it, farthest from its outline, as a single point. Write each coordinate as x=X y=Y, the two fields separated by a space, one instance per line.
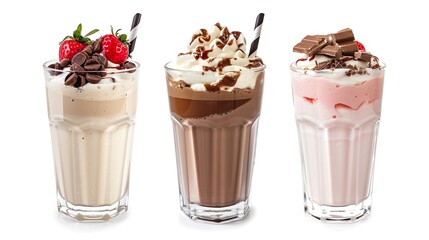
x=257 y=35
x=133 y=32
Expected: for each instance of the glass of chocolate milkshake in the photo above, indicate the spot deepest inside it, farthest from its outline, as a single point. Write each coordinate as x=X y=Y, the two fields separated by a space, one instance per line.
x=215 y=94
x=337 y=92
x=91 y=107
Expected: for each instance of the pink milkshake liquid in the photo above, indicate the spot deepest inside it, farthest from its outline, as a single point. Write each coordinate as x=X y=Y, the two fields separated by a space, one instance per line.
x=337 y=119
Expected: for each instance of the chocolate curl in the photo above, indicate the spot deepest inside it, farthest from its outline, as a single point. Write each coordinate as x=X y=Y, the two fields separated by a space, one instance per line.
x=310 y=45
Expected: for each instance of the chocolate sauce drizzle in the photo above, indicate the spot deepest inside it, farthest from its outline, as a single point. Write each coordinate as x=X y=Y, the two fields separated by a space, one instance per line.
x=226 y=81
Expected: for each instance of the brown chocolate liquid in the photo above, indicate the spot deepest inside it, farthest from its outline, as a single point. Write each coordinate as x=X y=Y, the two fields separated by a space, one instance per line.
x=215 y=134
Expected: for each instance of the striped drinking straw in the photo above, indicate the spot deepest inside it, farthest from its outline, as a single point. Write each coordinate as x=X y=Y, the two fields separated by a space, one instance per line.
x=133 y=32
x=257 y=34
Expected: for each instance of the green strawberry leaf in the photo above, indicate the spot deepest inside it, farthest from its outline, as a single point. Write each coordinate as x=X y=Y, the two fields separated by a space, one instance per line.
x=123 y=37
x=78 y=31
x=91 y=32
x=85 y=40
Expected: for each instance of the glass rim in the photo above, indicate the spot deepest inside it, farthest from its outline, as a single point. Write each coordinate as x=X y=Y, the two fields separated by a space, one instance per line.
x=167 y=67
x=111 y=70
x=294 y=68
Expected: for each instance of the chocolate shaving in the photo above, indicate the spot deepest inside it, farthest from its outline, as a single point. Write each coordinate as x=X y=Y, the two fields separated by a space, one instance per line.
x=340 y=63
x=377 y=64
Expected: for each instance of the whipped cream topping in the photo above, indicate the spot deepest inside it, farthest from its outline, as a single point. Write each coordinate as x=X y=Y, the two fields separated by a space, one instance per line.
x=219 y=54
x=340 y=76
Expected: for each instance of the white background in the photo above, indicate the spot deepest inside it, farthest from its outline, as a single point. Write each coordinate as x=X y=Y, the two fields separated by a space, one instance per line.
x=396 y=33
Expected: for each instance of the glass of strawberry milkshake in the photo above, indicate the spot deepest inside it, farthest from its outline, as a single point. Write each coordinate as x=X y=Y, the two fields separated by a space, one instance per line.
x=337 y=92
x=92 y=95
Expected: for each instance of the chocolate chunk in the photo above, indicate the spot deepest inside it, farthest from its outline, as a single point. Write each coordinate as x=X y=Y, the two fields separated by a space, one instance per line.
x=76 y=68
x=102 y=72
x=96 y=46
x=330 y=38
x=129 y=65
x=88 y=49
x=100 y=58
x=71 y=79
x=54 y=66
x=310 y=45
x=92 y=65
x=332 y=51
x=65 y=62
x=345 y=35
x=79 y=58
x=83 y=81
x=349 y=48
x=57 y=66
x=365 y=56
x=93 y=78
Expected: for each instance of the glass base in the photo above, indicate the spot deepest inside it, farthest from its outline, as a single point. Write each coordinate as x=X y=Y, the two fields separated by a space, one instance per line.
x=216 y=215
x=349 y=213
x=90 y=213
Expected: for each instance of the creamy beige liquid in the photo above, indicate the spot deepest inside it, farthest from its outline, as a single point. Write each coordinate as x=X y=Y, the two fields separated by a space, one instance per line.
x=92 y=132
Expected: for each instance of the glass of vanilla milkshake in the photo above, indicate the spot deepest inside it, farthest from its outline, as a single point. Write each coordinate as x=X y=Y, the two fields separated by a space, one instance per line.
x=91 y=107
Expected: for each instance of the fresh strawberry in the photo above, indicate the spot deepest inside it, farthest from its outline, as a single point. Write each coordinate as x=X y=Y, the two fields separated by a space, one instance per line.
x=115 y=47
x=360 y=46
x=74 y=44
